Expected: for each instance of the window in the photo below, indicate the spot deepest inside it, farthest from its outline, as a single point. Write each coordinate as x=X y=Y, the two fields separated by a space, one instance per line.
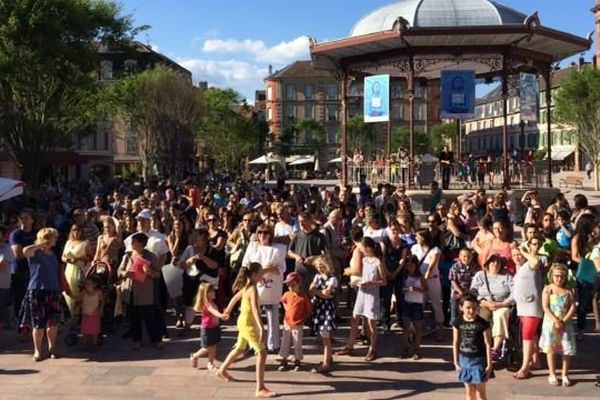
x=106 y=70
x=290 y=92
x=478 y=125
x=332 y=134
x=309 y=92
x=131 y=145
x=270 y=93
x=269 y=114
x=332 y=113
x=309 y=111
x=290 y=111
x=332 y=92
x=130 y=66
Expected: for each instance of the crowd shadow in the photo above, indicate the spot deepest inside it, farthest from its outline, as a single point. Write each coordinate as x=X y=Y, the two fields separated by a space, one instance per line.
x=18 y=371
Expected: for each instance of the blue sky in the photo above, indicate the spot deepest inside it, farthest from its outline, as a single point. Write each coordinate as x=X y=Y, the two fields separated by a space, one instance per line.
x=230 y=43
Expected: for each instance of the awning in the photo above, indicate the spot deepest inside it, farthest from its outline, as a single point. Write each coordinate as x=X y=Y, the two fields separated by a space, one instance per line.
x=10 y=188
x=560 y=153
x=266 y=159
x=303 y=160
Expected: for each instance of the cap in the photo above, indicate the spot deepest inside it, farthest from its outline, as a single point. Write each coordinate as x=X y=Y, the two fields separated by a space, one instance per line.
x=293 y=276
x=144 y=214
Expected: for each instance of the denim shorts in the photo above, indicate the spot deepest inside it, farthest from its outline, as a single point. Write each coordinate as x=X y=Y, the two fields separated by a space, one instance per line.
x=412 y=311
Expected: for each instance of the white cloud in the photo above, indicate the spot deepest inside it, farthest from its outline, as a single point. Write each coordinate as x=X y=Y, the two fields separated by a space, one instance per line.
x=239 y=75
x=282 y=53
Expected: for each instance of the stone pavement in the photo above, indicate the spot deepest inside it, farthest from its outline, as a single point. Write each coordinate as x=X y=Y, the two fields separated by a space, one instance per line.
x=117 y=372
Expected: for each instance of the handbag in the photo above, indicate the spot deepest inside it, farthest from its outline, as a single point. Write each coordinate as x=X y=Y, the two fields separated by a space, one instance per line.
x=485 y=312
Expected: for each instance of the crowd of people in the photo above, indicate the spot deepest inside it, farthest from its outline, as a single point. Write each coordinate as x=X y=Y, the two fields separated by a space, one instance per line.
x=282 y=258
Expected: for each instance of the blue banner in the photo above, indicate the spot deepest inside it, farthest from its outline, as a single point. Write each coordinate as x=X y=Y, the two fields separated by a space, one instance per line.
x=458 y=94
x=377 y=98
x=529 y=97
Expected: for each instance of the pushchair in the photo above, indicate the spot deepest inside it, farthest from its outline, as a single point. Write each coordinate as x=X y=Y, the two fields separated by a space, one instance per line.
x=107 y=276
x=512 y=350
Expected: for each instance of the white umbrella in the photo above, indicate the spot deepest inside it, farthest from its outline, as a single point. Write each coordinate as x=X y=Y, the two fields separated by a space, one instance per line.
x=10 y=188
x=303 y=160
x=339 y=160
x=266 y=159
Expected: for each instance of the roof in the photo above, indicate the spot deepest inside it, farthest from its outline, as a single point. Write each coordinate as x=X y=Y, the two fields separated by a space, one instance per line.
x=299 y=69
x=438 y=13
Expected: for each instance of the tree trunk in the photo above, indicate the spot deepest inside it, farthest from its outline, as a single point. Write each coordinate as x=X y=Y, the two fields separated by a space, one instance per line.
x=596 y=174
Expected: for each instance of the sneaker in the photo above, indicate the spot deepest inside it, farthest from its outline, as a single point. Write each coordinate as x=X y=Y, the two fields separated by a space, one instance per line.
x=283 y=366
x=416 y=356
x=193 y=361
x=297 y=366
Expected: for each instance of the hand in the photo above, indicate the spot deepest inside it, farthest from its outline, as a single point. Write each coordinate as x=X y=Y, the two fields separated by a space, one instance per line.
x=488 y=371
x=299 y=260
x=226 y=316
x=348 y=271
x=457 y=367
x=559 y=324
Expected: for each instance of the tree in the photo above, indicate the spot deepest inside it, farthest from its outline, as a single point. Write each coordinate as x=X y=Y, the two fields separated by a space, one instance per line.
x=229 y=129
x=577 y=104
x=48 y=53
x=441 y=135
x=166 y=111
x=401 y=138
x=361 y=135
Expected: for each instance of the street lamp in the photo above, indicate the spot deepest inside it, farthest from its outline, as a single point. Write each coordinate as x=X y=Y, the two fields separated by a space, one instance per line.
x=522 y=138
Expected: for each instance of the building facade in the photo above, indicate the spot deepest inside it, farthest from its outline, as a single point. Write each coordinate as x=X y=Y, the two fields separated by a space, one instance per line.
x=300 y=92
x=483 y=133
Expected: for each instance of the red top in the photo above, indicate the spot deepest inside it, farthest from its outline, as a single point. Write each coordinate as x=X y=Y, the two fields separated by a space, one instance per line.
x=297 y=309
x=208 y=320
x=194 y=195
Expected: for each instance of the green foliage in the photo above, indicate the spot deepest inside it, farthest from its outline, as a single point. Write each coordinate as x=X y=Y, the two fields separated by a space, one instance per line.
x=165 y=110
x=361 y=135
x=48 y=55
x=229 y=129
x=401 y=138
x=441 y=135
x=577 y=104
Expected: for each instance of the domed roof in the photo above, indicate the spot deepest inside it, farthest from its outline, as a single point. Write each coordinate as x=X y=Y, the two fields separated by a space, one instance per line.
x=438 y=13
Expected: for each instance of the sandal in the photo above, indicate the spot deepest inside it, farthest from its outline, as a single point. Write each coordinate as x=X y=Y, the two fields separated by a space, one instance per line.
x=552 y=380
x=193 y=360
x=566 y=381
x=346 y=351
x=371 y=355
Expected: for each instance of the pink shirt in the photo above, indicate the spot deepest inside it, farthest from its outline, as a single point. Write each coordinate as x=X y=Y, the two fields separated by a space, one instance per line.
x=208 y=320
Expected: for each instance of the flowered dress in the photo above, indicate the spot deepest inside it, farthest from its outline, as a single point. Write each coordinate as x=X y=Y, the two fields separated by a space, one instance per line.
x=323 y=315
x=554 y=340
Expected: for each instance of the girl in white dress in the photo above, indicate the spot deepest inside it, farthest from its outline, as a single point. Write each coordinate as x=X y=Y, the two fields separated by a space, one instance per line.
x=367 y=300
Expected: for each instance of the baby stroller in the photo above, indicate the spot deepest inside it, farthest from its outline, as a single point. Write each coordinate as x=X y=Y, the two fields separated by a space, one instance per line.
x=512 y=351
x=107 y=276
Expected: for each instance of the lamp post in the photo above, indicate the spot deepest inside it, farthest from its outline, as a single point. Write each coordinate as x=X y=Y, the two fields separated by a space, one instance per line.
x=522 y=138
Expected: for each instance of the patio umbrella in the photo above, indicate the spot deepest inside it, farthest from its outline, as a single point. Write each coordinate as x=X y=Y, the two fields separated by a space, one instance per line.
x=10 y=188
x=303 y=160
x=266 y=159
x=338 y=160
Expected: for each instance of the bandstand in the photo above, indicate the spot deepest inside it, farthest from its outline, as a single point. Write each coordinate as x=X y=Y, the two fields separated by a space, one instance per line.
x=417 y=39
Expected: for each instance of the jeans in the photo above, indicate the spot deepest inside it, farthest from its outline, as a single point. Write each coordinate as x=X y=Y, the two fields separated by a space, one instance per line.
x=273 y=332
x=434 y=291
x=393 y=287
x=453 y=310
x=147 y=315
x=446 y=306
x=585 y=292
x=445 y=178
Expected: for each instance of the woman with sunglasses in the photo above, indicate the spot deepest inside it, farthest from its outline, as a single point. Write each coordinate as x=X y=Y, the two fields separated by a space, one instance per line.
x=270 y=288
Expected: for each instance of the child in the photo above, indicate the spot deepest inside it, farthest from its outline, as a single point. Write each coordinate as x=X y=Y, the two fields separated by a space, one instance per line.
x=250 y=328
x=297 y=308
x=415 y=288
x=367 y=301
x=461 y=274
x=210 y=331
x=92 y=303
x=565 y=230
x=557 y=328
x=472 y=348
x=322 y=322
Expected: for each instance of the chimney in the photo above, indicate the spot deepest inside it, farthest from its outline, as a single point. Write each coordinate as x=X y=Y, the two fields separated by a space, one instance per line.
x=271 y=67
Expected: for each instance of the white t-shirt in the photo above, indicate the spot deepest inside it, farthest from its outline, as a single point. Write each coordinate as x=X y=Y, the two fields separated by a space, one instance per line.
x=271 y=287
x=375 y=234
x=157 y=243
x=282 y=229
x=418 y=251
x=6 y=256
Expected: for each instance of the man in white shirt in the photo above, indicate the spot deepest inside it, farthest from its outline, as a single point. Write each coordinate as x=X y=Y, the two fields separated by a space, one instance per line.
x=157 y=242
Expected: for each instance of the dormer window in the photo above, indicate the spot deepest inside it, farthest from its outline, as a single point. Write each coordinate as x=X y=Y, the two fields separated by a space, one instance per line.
x=106 y=70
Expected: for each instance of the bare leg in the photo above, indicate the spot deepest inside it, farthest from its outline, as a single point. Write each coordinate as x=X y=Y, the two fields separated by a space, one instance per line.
x=418 y=334
x=212 y=355
x=596 y=308
x=480 y=391
x=551 y=364
x=38 y=337
x=261 y=389
x=528 y=347
x=326 y=351
x=353 y=331
x=566 y=364
x=405 y=335
x=201 y=353
x=373 y=331
x=231 y=358
x=497 y=342
x=52 y=334
x=470 y=390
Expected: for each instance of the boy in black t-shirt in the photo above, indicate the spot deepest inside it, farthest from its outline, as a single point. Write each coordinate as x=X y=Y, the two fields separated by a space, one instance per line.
x=471 y=345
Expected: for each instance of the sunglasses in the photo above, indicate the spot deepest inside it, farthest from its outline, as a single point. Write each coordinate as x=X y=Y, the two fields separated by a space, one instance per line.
x=263 y=233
